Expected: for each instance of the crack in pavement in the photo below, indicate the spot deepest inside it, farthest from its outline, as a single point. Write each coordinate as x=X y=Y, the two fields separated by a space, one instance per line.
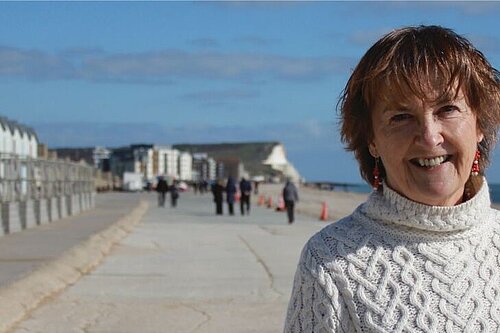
x=203 y=313
x=263 y=264
x=270 y=231
x=104 y=313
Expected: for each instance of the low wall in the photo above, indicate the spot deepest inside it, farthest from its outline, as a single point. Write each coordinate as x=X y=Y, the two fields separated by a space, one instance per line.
x=21 y=215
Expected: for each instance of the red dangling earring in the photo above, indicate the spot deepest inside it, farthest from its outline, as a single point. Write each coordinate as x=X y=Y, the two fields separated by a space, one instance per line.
x=376 y=176
x=475 y=164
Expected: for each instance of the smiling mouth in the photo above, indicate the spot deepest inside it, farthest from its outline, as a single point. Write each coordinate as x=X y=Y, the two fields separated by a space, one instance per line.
x=430 y=162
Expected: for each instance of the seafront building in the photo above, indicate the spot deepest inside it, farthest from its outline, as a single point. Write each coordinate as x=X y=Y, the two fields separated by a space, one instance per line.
x=204 y=167
x=17 y=139
x=259 y=161
x=185 y=166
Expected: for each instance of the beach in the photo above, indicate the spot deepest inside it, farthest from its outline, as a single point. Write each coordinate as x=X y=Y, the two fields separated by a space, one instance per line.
x=339 y=203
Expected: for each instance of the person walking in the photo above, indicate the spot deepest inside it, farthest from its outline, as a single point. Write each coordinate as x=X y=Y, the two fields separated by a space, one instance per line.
x=230 y=193
x=218 y=193
x=174 y=194
x=246 y=190
x=161 y=188
x=290 y=195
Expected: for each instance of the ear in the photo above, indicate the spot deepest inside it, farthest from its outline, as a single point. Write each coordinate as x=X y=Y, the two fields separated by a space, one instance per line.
x=480 y=136
x=373 y=150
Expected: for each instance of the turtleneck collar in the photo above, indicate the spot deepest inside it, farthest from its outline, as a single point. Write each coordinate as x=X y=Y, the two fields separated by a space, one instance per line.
x=390 y=207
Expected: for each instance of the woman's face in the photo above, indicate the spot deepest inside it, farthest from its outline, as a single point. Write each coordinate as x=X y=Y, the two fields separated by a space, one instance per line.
x=427 y=150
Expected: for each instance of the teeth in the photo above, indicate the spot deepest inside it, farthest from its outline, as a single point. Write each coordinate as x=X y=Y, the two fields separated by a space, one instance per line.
x=431 y=162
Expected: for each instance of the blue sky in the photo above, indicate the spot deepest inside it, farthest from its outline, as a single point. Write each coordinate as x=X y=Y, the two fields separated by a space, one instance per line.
x=115 y=73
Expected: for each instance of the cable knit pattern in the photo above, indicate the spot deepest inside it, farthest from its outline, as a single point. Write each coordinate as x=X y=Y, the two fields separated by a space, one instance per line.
x=398 y=266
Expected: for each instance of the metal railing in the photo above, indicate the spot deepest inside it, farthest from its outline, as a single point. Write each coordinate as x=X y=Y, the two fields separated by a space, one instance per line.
x=22 y=179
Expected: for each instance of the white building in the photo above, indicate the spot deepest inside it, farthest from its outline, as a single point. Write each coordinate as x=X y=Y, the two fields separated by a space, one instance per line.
x=167 y=161
x=17 y=140
x=185 y=166
x=99 y=155
x=173 y=163
x=204 y=167
x=143 y=160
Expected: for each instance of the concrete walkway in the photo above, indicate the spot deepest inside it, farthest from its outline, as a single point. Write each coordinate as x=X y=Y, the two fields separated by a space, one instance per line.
x=185 y=270
x=41 y=261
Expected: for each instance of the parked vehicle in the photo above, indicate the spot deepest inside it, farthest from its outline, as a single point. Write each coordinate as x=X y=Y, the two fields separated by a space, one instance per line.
x=132 y=181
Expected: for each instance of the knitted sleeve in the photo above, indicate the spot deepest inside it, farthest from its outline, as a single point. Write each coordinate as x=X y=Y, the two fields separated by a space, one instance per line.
x=316 y=304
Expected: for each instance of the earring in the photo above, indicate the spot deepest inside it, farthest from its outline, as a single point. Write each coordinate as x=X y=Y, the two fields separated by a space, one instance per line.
x=475 y=164
x=376 y=176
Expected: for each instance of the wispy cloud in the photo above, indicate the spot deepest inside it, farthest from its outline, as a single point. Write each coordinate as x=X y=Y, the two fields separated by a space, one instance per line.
x=466 y=8
x=205 y=42
x=485 y=43
x=256 y=40
x=476 y=7
x=165 y=66
x=299 y=135
x=221 y=95
x=367 y=37
x=33 y=64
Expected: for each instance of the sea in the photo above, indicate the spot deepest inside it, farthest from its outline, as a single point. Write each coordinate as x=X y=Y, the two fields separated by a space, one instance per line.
x=364 y=188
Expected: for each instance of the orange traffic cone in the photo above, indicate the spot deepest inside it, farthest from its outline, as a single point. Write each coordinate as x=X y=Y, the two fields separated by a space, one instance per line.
x=281 y=205
x=324 y=212
x=262 y=200
x=270 y=202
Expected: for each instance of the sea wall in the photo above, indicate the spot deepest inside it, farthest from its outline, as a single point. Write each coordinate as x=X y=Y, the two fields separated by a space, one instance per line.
x=34 y=192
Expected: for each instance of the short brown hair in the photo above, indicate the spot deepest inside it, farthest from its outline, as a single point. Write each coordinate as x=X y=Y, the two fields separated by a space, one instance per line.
x=406 y=62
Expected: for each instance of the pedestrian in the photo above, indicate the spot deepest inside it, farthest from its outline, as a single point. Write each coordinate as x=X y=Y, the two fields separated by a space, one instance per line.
x=218 y=193
x=174 y=194
x=161 y=188
x=421 y=112
x=256 y=187
x=246 y=191
x=290 y=196
x=230 y=193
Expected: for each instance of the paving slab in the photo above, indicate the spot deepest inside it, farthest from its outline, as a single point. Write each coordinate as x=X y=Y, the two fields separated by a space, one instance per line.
x=40 y=261
x=186 y=270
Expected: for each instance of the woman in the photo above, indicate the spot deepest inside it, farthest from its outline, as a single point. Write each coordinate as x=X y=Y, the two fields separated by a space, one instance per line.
x=421 y=113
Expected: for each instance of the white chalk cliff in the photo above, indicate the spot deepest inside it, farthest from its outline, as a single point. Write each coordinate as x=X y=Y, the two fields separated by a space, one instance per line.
x=278 y=161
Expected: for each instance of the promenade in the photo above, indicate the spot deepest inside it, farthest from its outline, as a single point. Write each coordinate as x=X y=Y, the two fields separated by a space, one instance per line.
x=151 y=269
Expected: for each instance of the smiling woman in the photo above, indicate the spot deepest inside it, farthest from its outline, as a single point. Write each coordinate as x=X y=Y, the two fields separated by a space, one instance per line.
x=426 y=149
x=421 y=113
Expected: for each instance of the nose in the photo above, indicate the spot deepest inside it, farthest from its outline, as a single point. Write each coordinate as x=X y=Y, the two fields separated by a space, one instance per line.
x=429 y=133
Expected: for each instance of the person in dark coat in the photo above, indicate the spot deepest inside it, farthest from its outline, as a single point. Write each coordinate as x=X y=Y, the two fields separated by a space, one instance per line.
x=218 y=193
x=161 y=188
x=174 y=194
x=246 y=190
x=230 y=193
x=290 y=196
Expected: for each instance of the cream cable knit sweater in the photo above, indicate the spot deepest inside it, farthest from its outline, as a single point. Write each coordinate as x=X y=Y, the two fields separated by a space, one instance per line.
x=398 y=266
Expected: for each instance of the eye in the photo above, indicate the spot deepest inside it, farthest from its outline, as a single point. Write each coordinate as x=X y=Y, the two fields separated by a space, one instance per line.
x=448 y=110
x=400 y=117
